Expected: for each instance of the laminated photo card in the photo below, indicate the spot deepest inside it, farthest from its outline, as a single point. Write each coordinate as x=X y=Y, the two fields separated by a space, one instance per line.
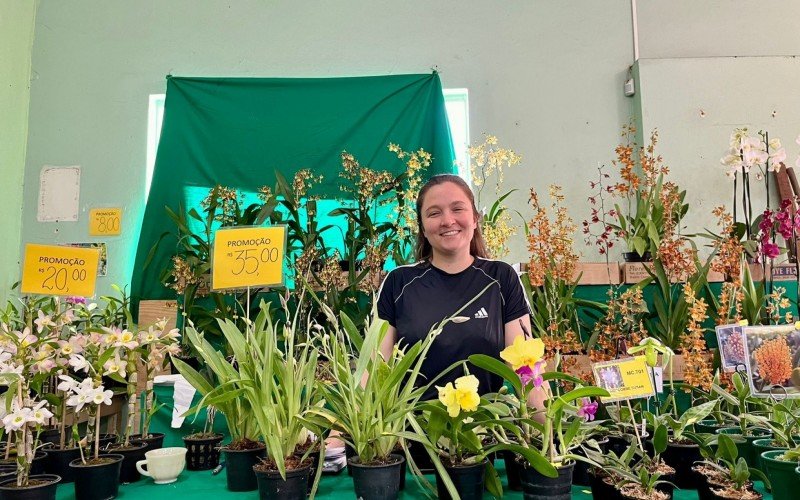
x=773 y=360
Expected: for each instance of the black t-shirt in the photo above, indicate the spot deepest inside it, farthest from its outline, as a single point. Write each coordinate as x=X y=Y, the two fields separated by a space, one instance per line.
x=413 y=298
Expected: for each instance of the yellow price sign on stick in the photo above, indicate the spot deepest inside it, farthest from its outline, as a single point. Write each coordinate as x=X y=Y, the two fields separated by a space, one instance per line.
x=248 y=256
x=626 y=378
x=57 y=270
x=105 y=221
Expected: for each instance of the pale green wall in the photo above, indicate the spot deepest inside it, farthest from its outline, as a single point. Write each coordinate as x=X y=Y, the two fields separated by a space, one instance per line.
x=697 y=102
x=16 y=39
x=545 y=76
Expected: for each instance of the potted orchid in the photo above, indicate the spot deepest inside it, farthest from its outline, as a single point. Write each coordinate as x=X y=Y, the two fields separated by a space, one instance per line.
x=544 y=444
x=244 y=450
x=107 y=352
x=276 y=378
x=95 y=475
x=373 y=400
x=155 y=343
x=458 y=429
x=28 y=339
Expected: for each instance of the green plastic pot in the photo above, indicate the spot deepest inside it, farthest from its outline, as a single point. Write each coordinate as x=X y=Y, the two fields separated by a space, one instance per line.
x=759 y=447
x=710 y=426
x=782 y=475
x=745 y=443
x=798 y=473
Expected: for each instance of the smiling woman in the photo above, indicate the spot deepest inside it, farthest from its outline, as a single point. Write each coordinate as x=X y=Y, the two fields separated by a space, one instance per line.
x=451 y=272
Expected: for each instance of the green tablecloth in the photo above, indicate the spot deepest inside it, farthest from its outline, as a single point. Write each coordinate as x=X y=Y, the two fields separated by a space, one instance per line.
x=203 y=485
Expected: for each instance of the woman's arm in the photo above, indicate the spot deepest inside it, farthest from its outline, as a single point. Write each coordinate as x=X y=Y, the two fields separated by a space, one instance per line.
x=388 y=342
x=538 y=395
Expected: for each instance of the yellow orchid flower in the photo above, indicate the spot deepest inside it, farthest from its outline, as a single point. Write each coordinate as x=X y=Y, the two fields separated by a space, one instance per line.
x=449 y=398
x=464 y=396
x=467 y=392
x=523 y=352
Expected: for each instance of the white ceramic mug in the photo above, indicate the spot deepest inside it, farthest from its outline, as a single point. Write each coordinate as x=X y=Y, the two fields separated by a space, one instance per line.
x=164 y=465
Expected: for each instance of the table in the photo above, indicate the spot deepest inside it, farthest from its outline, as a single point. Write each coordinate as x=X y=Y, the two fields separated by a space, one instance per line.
x=202 y=485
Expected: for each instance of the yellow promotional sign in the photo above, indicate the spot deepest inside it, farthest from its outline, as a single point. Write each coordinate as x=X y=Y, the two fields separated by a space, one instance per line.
x=248 y=256
x=105 y=221
x=626 y=378
x=57 y=270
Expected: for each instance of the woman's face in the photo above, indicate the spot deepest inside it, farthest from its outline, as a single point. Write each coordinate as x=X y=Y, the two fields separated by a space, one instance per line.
x=448 y=221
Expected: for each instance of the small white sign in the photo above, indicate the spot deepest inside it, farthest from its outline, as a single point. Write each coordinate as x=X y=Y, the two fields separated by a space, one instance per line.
x=59 y=193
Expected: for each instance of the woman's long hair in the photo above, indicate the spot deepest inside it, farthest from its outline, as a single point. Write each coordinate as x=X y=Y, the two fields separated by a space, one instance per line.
x=477 y=246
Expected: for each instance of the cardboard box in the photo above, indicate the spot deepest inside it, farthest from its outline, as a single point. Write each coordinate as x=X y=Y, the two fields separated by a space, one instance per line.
x=780 y=272
x=634 y=272
x=598 y=273
x=151 y=311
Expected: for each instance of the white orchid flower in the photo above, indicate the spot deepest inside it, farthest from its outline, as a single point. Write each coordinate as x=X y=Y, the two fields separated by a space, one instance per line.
x=126 y=339
x=39 y=414
x=777 y=157
x=114 y=365
x=100 y=396
x=18 y=417
x=78 y=400
x=43 y=321
x=67 y=383
x=78 y=363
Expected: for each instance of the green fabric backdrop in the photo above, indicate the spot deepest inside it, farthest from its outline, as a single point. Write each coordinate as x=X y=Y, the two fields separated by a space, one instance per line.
x=238 y=131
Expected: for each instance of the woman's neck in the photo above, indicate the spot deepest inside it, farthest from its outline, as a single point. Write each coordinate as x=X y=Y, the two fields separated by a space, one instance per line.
x=452 y=264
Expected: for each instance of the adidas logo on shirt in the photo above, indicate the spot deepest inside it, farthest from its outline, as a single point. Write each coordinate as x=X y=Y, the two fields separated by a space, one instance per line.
x=481 y=313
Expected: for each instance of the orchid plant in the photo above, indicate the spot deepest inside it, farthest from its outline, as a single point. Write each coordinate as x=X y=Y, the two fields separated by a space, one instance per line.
x=29 y=356
x=458 y=427
x=546 y=443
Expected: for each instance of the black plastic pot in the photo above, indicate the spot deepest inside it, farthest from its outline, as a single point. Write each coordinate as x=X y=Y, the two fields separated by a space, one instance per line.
x=580 y=475
x=682 y=457
x=97 y=482
x=50 y=436
x=704 y=488
x=377 y=481
x=44 y=491
x=635 y=257
x=617 y=444
x=512 y=470
x=602 y=489
x=154 y=441
x=536 y=486
x=202 y=454
x=271 y=486
x=37 y=466
x=106 y=440
x=468 y=480
x=239 y=468
x=314 y=457
x=128 y=472
x=668 y=487
x=57 y=462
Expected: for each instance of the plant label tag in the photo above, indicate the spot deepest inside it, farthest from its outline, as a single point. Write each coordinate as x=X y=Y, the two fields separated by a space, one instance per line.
x=732 y=349
x=59 y=270
x=625 y=378
x=248 y=256
x=658 y=378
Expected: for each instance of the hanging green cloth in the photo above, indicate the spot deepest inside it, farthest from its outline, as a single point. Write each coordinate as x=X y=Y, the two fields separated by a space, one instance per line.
x=237 y=131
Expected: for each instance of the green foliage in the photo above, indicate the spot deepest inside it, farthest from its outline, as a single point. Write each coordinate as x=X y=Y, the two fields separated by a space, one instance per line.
x=727 y=461
x=671 y=317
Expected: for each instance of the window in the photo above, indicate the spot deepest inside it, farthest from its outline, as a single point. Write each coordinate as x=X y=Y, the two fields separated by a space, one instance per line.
x=155 y=116
x=457 y=103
